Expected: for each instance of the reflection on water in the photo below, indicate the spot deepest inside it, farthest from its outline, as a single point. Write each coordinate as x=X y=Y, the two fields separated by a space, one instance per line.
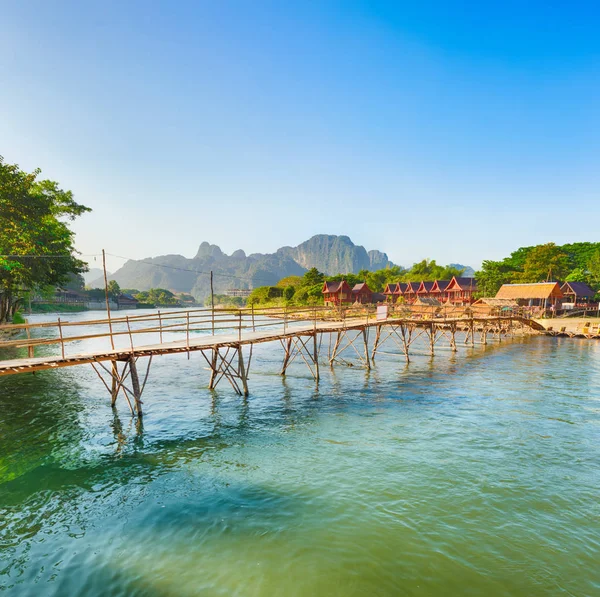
x=462 y=474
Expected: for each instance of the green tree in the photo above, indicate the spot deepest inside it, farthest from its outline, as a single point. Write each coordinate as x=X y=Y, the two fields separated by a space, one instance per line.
x=36 y=242
x=288 y=293
x=593 y=268
x=544 y=262
x=577 y=275
x=313 y=276
x=491 y=277
x=114 y=290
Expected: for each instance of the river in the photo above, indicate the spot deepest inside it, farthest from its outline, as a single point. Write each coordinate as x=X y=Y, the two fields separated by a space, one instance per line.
x=468 y=474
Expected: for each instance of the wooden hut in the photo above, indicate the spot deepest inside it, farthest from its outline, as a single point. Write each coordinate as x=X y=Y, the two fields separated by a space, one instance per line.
x=460 y=291
x=577 y=293
x=424 y=290
x=410 y=293
x=438 y=290
x=426 y=306
x=362 y=294
x=494 y=306
x=542 y=294
x=390 y=292
x=127 y=301
x=337 y=293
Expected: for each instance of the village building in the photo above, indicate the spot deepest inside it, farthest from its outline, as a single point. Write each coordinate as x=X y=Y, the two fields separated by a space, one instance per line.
x=438 y=290
x=542 y=294
x=337 y=293
x=362 y=294
x=391 y=293
x=577 y=294
x=424 y=290
x=410 y=293
x=127 y=301
x=494 y=306
x=460 y=291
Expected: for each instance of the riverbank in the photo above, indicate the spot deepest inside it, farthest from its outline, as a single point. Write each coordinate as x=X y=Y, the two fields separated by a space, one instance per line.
x=573 y=327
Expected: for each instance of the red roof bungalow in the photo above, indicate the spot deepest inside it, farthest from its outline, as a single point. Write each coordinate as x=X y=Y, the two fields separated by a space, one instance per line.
x=438 y=290
x=460 y=291
x=337 y=293
x=411 y=291
x=392 y=292
x=362 y=294
x=425 y=289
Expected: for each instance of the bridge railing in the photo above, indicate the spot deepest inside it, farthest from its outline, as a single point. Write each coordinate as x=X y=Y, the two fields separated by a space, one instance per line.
x=132 y=331
x=129 y=332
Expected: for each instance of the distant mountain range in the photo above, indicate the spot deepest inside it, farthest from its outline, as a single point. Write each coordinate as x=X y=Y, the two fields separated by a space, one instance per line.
x=328 y=253
x=93 y=275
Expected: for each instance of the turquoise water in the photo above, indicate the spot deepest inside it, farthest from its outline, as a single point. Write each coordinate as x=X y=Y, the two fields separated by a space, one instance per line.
x=459 y=475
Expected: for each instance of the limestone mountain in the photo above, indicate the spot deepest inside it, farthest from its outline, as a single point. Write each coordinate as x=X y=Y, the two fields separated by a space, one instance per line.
x=330 y=254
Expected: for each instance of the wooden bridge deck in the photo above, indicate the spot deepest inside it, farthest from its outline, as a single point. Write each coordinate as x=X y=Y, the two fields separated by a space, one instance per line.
x=221 y=335
x=239 y=338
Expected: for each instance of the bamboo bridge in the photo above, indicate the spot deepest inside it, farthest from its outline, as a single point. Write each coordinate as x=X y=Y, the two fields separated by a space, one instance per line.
x=221 y=335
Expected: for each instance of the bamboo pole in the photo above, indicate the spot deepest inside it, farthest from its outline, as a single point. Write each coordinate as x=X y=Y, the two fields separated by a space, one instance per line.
x=62 y=343
x=212 y=302
x=135 y=383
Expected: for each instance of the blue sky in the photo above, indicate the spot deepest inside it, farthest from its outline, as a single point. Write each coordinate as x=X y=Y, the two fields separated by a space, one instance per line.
x=452 y=130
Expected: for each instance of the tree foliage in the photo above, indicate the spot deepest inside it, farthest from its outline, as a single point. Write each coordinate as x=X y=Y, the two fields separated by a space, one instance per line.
x=36 y=242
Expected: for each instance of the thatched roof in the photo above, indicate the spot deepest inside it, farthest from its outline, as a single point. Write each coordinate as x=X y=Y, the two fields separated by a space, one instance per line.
x=542 y=290
x=426 y=301
x=496 y=302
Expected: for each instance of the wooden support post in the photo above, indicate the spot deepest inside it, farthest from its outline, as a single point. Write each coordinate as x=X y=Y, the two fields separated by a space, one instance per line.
x=376 y=345
x=453 y=337
x=405 y=341
x=110 y=329
x=242 y=370
x=213 y=369
x=62 y=343
x=316 y=357
x=30 y=349
x=286 y=358
x=472 y=332
x=135 y=384
x=160 y=327
x=335 y=348
x=114 y=392
x=432 y=339
x=366 y=341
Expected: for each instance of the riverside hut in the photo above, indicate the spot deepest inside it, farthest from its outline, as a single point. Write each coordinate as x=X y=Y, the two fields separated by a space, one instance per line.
x=577 y=294
x=424 y=290
x=494 y=306
x=460 y=291
x=438 y=290
x=542 y=294
x=390 y=293
x=362 y=294
x=337 y=293
x=410 y=293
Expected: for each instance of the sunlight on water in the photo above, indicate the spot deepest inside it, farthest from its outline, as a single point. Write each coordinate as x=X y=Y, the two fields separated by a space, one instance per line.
x=467 y=474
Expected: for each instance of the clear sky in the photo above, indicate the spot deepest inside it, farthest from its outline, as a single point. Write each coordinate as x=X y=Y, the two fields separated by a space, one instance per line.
x=452 y=130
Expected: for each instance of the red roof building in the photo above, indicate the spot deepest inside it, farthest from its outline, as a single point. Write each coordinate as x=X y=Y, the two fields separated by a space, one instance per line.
x=460 y=291
x=425 y=289
x=410 y=293
x=362 y=294
x=438 y=290
x=337 y=293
